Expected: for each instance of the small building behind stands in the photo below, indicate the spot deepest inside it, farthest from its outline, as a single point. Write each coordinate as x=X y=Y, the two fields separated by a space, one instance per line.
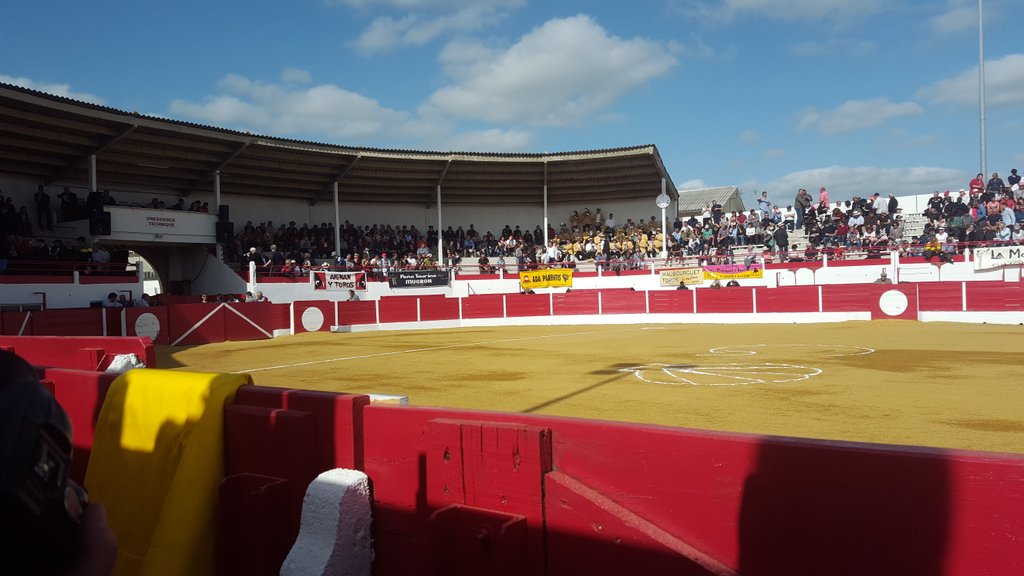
x=692 y=202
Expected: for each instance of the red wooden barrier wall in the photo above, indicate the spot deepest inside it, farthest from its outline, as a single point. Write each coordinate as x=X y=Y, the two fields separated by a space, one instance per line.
x=77 y=352
x=941 y=296
x=313 y=316
x=483 y=306
x=464 y=492
x=438 y=308
x=995 y=296
x=398 y=309
x=359 y=312
x=790 y=299
x=623 y=301
x=520 y=305
x=575 y=302
x=671 y=301
x=729 y=300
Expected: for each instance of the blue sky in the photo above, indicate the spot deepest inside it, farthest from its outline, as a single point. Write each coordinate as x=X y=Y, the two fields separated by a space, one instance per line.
x=860 y=96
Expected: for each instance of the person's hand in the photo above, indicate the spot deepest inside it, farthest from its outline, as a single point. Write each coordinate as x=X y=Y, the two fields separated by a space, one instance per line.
x=97 y=545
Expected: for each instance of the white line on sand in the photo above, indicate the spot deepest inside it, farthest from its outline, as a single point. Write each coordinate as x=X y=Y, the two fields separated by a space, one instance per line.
x=429 y=349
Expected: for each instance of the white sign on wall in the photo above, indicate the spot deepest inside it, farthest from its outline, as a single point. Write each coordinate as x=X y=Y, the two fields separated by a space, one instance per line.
x=152 y=225
x=996 y=256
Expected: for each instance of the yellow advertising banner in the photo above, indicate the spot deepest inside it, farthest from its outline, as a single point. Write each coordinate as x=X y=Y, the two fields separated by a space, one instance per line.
x=684 y=275
x=733 y=272
x=550 y=278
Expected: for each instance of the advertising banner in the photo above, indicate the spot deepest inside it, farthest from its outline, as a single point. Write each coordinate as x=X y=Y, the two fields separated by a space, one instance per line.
x=685 y=275
x=996 y=256
x=418 y=278
x=733 y=272
x=328 y=280
x=551 y=278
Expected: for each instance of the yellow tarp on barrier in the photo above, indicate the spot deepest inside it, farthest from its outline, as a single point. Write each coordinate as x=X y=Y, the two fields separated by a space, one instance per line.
x=156 y=465
x=550 y=278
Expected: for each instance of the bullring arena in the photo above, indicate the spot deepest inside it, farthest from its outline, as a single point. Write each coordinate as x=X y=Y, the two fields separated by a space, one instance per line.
x=886 y=381
x=459 y=419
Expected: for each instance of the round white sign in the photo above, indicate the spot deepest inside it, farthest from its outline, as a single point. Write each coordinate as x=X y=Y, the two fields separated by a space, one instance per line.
x=663 y=200
x=147 y=324
x=893 y=302
x=312 y=319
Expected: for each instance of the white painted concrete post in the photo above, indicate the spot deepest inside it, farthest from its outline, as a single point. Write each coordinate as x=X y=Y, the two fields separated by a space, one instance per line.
x=334 y=537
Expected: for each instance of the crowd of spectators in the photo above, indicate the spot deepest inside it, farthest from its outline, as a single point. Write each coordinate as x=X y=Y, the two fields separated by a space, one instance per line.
x=988 y=213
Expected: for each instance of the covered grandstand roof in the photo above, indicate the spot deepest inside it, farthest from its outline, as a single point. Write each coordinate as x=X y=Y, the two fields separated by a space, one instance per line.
x=53 y=137
x=694 y=200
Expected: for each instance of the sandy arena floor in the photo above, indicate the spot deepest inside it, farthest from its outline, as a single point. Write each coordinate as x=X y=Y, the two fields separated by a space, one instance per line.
x=931 y=384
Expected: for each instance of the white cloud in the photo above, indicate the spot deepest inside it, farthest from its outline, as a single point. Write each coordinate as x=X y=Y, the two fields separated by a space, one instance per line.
x=697 y=49
x=1003 y=80
x=857 y=115
x=725 y=10
x=845 y=182
x=51 y=88
x=324 y=109
x=494 y=140
x=425 y=20
x=295 y=76
x=956 y=18
x=694 y=184
x=750 y=137
x=556 y=75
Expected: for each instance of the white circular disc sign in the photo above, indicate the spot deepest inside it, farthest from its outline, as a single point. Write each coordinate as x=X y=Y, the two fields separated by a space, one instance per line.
x=147 y=324
x=893 y=302
x=312 y=319
x=663 y=200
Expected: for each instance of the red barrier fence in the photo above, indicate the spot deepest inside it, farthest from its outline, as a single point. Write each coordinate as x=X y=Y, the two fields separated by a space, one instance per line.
x=464 y=492
x=77 y=353
x=187 y=324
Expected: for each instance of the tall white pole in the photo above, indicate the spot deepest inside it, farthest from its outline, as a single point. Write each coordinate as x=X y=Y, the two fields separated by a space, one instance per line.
x=92 y=173
x=440 y=238
x=216 y=189
x=664 y=233
x=337 y=221
x=546 y=239
x=981 y=85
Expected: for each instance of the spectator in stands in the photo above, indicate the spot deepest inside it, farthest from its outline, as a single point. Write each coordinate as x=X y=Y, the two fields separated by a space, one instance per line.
x=763 y=203
x=259 y=297
x=933 y=249
x=977 y=185
x=112 y=301
x=781 y=238
x=995 y=184
x=352 y=296
x=44 y=217
x=735 y=283
x=142 y=302
x=883 y=278
x=801 y=203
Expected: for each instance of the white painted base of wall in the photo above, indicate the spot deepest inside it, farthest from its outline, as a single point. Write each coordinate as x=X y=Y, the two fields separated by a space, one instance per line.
x=1009 y=318
x=618 y=319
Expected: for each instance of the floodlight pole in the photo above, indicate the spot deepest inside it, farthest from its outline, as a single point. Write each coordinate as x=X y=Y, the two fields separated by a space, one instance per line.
x=546 y=240
x=337 y=222
x=981 y=85
x=664 y=233
x=440 y=236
